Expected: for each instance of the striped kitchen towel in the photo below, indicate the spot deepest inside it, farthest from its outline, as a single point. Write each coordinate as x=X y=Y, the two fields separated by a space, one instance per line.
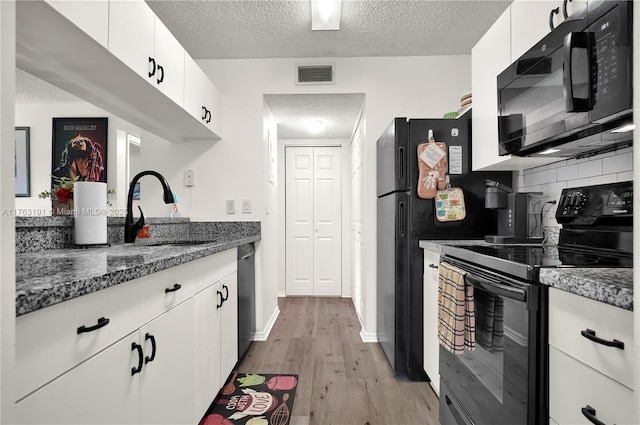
x=456 y=310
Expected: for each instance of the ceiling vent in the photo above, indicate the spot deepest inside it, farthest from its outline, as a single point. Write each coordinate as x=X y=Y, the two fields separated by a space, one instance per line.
x=315 y=74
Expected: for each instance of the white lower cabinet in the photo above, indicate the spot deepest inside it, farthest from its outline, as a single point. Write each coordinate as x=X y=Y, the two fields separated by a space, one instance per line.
x=216 y=330
x=431 y=344
x=591 y=364
x=166 y=378
x=165 y=367
x=146 y=377
x=88 y=393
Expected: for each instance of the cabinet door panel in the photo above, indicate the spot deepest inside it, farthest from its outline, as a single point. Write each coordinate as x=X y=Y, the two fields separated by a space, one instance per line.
x=194 y=85
x=530 y=23
x=573 y=385
x=229 y=325
x=608 y=322
x=207 y=353
x=99 y=391
x=131 y=34
x=166 y=381
x=169 y=55
x=91 y=16
x=48 y=343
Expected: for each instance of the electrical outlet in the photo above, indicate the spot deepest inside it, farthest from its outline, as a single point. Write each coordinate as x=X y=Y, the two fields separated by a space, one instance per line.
x=231 y=206
x=189 y=177
x=246 y=206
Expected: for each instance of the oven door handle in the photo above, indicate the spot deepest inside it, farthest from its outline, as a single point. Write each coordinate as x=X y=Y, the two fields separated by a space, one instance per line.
x=496 y=288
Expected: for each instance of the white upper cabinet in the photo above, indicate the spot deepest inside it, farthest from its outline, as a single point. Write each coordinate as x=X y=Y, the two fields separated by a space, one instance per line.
x=131 y=35
x=91 y=16
x=169 y=60
x=530 y=22
x=139 y=39
x=131 y=65
x=489 y=57
x=201 y=98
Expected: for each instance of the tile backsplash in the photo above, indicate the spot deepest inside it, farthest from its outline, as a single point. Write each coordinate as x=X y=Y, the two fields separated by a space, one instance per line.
x=610 y=167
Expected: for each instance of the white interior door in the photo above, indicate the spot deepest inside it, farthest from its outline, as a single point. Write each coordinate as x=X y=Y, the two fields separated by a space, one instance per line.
x=313 y=221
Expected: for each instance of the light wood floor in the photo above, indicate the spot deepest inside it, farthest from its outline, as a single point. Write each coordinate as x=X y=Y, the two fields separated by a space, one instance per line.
x=341 y=379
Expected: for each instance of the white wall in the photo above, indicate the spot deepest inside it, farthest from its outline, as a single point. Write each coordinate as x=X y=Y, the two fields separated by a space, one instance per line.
x=236 y=166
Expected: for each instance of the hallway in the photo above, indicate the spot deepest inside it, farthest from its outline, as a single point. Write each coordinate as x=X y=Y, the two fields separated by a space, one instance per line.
x=341 y=379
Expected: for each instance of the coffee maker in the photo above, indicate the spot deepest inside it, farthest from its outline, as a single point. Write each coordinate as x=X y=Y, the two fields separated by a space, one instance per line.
x=519 y=214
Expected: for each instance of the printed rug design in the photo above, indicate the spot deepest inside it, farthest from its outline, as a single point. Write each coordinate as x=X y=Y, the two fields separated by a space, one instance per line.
x=253 y=399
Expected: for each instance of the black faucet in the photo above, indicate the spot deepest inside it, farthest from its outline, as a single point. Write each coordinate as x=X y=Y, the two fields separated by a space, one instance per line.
x=131 y=229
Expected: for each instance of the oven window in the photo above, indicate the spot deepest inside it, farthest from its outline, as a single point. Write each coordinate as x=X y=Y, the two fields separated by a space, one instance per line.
x=492 y=381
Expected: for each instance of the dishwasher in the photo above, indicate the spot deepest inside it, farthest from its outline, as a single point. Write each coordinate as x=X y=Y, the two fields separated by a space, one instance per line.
x=246 y=297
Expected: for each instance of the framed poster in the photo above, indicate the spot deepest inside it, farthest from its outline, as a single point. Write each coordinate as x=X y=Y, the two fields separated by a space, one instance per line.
x=273 y=158
x=22 y=160
x=79 y=149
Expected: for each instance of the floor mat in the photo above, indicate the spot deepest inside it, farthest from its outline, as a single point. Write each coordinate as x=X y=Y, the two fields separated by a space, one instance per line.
x=253 y=399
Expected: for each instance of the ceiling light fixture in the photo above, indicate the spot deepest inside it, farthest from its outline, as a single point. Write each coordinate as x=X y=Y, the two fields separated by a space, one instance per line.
x=325 y=14
x=316 y=127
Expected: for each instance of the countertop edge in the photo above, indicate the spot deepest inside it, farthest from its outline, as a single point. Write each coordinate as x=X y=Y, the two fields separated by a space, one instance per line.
x=29 y=299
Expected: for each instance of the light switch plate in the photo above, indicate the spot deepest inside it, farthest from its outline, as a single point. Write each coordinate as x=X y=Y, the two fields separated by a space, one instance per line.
x=246 y=206
x=231 y=206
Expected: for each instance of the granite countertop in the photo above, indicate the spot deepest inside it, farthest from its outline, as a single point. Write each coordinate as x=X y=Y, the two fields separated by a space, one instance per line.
x=49 y=277
x=613 y=286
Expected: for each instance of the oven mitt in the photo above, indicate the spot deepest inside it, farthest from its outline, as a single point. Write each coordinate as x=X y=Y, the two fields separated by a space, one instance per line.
x=432 y=164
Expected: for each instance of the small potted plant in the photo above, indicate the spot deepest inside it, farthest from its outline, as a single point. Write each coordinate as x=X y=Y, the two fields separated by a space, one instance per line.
x=61 y=195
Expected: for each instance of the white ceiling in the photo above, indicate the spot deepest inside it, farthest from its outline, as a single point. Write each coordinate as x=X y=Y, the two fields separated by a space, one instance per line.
x=229 y=29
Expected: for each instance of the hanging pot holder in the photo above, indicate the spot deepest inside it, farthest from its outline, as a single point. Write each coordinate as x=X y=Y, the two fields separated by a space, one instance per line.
x=450 y=205
x=432 y=167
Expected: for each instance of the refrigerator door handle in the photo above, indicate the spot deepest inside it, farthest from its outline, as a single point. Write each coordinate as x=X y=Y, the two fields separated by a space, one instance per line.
x=401 y=218
x=401 y=164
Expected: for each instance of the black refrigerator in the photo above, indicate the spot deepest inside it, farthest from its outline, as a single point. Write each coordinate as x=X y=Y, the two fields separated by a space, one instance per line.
x=403 y=219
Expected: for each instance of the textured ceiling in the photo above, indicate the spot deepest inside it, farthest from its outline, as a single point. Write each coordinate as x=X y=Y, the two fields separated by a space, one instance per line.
x=217 y=29
x=30 y=89
x=296 y=113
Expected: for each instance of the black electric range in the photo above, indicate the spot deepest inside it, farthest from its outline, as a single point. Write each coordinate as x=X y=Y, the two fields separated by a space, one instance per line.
x=503 y=380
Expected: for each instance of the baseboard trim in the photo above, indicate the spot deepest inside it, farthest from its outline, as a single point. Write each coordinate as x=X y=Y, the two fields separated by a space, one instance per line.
x=366 y=336
x=262 y=336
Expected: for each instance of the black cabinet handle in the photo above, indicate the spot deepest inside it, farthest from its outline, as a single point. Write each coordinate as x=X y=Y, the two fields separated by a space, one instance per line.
x=590 y=413
x=174 y=289
x=564 y=8
x=138 y=347
x=433 y=266
x=102 y=322
x=226 y=291
x=591 y=335
x=555 y=11
x=220 y=297
x=208 y=120
x=161 y=71
x=204 y=113
x=152 y=70
x=149 y=359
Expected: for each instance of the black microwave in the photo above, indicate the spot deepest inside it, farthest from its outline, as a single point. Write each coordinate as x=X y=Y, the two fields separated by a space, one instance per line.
x=571 y=94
